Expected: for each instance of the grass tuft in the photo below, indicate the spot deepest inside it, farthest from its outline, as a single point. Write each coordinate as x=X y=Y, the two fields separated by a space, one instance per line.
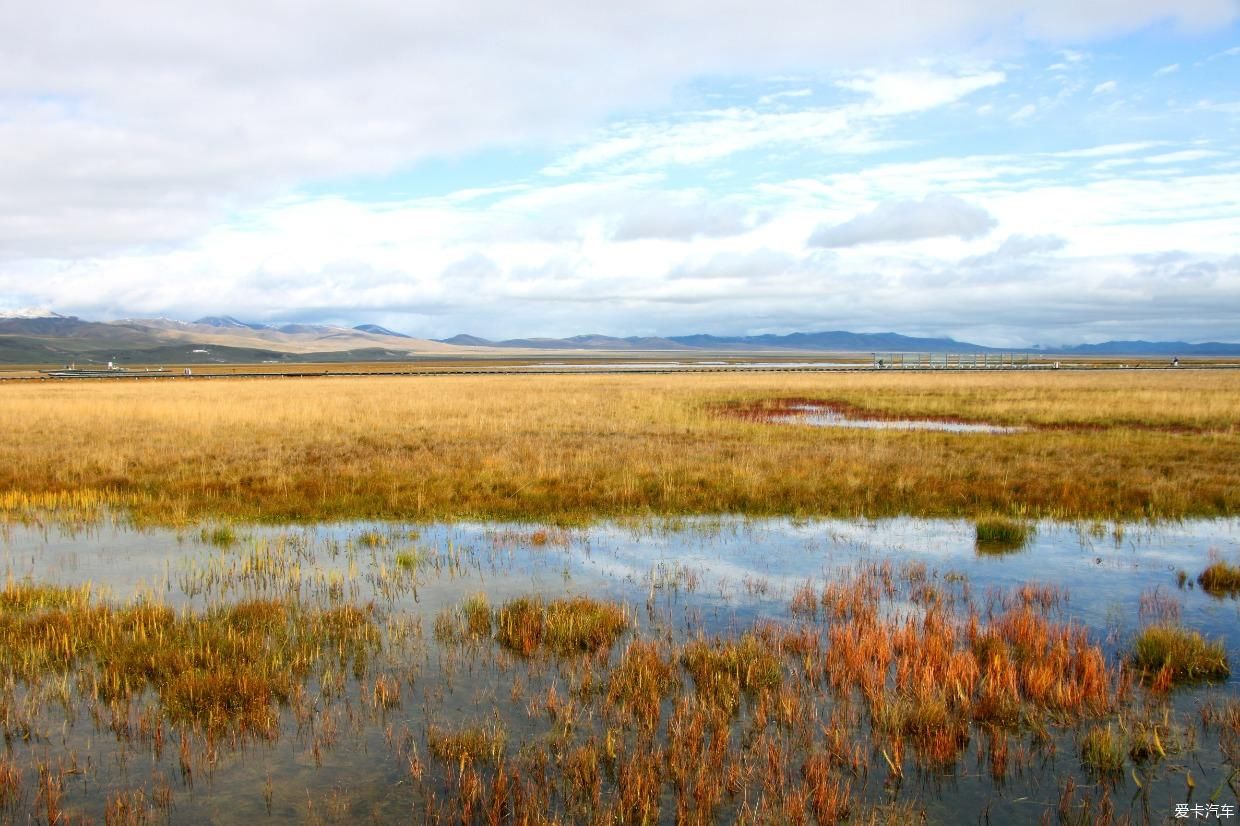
x=470 y=745
x=1171 y=654
x=221 y=536
x=1102 y=750
x=998 y=534
x=1220 y=578
x=724 y=670
x=579 y=625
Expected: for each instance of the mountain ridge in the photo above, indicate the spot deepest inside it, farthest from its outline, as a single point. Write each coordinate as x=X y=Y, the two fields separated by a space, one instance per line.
x=43 y=336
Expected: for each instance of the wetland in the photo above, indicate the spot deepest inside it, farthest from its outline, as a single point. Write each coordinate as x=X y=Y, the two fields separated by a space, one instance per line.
x=692 y=670
x=635 y=599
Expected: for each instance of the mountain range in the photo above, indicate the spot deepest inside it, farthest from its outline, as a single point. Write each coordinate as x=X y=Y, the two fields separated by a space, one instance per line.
x=45 y=337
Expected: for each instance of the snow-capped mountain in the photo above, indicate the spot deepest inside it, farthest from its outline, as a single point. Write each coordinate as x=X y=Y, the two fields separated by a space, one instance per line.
x=31 y=313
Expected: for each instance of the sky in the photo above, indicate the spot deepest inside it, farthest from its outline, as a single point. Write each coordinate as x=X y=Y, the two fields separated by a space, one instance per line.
x=1005 y=172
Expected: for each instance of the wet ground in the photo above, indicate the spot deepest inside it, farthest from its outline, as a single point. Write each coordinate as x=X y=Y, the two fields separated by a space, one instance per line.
x=825 y=416
x=349 y=757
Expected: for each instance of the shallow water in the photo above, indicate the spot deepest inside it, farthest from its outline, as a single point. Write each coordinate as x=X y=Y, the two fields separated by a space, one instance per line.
x=700 y=576
x=819 y=416
x=680 y=365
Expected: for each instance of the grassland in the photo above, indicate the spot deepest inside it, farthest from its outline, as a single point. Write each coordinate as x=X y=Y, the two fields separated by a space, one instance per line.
x=1125 y=445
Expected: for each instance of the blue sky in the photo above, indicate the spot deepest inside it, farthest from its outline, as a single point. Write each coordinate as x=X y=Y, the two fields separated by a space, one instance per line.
x=1001 y=172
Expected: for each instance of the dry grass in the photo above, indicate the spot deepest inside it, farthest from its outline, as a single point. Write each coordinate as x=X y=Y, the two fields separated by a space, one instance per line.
x=223 y=670
x=1220 y=578
x=579 y=625
x=467 y=745
x=1127 y=445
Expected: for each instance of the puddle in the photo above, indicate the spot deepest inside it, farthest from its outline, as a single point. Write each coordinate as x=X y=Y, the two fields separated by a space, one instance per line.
x=828 y=414
x=697 y=578
x=684 y=365
x=825 y=417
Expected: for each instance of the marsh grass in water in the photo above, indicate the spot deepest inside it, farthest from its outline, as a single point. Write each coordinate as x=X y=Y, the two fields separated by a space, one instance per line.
x=577 y=625
x=802 y=700
x=1102 y=750
x=998 y=534
x=1170 y=654
x=225 y=669
x=1220 y=578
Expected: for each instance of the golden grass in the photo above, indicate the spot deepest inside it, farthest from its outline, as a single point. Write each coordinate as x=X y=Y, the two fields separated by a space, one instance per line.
x=467 y=744
x=579 y=625
x=1220 y=577
x=1118 y=445
x=226 y=669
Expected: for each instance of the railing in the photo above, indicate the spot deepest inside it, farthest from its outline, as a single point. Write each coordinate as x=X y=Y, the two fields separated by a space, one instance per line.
x=957 y=361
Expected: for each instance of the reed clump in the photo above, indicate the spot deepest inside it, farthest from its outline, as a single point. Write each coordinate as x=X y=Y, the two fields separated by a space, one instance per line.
x=999 y=534
x=477 y=612
x=1220 y=577
x=1170 y=654
x=577 y=625
x=725 y=670
x=224 y=669
x=1102 y=750
x=638 y=684
x=467 y=745
x=10 y=782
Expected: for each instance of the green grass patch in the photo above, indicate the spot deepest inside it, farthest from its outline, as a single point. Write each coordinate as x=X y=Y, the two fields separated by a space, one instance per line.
x=1102 y=750
x=999 y=534
x=1182 y=655
x=221 y=536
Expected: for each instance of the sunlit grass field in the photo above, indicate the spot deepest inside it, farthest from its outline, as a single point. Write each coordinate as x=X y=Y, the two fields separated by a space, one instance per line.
x=1115 y=444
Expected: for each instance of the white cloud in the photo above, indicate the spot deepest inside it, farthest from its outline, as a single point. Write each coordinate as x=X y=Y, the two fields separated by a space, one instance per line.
x=893 y=93
x=935 y=216
x=1105 y=88
x=1169 y=69
x=137 y=123
x=683 y=221
x=1024 y=113
x=1108 y=149
x=775 y=97
x=1183 y=156
x=164 y=159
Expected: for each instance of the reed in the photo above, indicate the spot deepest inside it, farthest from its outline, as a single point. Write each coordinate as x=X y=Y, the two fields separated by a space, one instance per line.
x=1102 y=750
x=725 y=670
x=578 y=625
x=998 y=534
x=1220 y=578
x=467 y=745
x=1170 y=654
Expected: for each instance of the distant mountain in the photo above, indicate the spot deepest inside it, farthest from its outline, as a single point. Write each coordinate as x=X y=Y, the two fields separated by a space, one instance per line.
x=1154 y=348
x=228 y=322
x=379 y=331
x=466 y=340
x=30 y=313
x=830 y=341
x=39 y=336
x=835 y=341
x=591 y=341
